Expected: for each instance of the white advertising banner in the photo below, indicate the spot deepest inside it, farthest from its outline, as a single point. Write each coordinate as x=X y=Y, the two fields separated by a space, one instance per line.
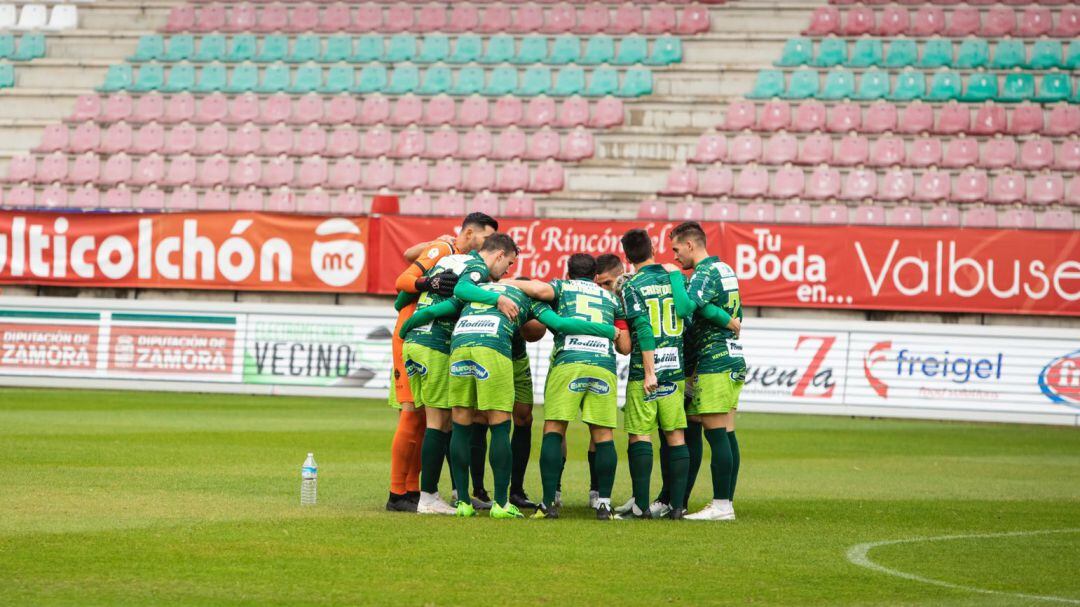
x=935 y=371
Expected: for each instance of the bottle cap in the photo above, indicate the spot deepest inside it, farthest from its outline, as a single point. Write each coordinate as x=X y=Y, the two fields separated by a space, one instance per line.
x=311 y=455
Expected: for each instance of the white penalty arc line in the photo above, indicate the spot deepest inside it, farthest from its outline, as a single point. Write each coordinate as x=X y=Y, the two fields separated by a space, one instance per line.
x=860 y=555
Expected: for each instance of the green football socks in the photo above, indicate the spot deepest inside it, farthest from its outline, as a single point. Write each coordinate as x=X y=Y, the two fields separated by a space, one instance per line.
x=721 y=462
x=460 y=457
x=520 y=447
x=640 y=455
x=432 y=453
x=606 y=459
x=665 y=486
x=678 y=464
x=734 y=463
x=593 y=483
x=501 y=460
x=550 y=465
x=478 y=452
x=693 y=443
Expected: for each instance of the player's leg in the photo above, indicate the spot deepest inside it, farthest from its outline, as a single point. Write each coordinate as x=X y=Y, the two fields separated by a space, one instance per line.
x=521 y=441
x=427 y=372
x=661 y=505
x=718 y=398
x=600 y=412
x=671 y=412
x=594 y=487
x=734 y=455
x=693 y=437
x=494 y=375
x=412 y=478
x=463 y=394
x=404 y=447
x=563 y=395
x=551 y=465
x=478 y=450
x=640 y=421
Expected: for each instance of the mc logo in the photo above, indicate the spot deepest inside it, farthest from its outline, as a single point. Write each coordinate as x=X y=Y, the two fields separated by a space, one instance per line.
x=466 y=368
x=590 y=384
x=414 y=368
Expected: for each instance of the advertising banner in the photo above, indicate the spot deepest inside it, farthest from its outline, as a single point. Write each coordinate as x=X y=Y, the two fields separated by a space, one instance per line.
x=963 y=372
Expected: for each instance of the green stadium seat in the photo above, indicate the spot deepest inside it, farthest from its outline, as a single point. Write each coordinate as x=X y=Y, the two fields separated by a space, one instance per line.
x=1017 y=87
x=804 y=85
x=276 y=78
x=599 y=49
x=666 y=50
x=903 y=52
x=873 y=84
x=339 y=47
x=244 y=77
x=1072 y=55
x=831 y=53
x=910 y=85
x=151 y=77
x=839 y=84
x=535 y=81
x=181 y=78
x=468 y=48
x=241 y=48
x=974 y=52
x=470 y=80
x=1055 y=86
x=769 y=83
x=369 y=48
x=306 y=47
x=500 y=49
x=181 y=47
x=937 y=52
x=981 y=86
x=7 y=75
x=435 y=49
x=570 y=80
x=632 y=50
x=373 y=79
x=339 y=79
x=603 y=81
x=504 y=81
x=565 y=49
x=212 y=77
x=534 y=49
x=1046 y=54
x=402 y=48
x=7 y=45
x=945 y=85
x=404 y=79
x=274 y=48
x=867 y=52
x=212 y=47
x=1009 y=53
x=31 y=46
x=117 y=78
x=308 y=79
x=797 y=51
x=637 y=82
x=149 y=48
x=437 y=79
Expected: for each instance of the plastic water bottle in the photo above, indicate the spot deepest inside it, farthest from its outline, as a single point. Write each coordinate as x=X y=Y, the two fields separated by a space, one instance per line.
x=309 y=481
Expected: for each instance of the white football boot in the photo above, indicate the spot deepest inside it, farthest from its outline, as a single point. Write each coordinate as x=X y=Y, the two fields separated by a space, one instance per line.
x=717 y=510
x=432 y=503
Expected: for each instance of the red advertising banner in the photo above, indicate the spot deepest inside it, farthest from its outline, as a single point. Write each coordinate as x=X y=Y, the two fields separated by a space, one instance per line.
x=850 y=267
x=29 y=346
x=143 y=349
x=234 y=251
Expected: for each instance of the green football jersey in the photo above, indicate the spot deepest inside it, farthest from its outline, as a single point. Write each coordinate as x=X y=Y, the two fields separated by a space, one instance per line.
x=436 y=334
x=484 y=325
x=714 y=282
x=648 y=293
x=518 y=347
x=585 y=300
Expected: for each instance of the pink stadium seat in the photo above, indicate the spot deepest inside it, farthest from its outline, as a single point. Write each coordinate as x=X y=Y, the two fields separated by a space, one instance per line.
x=989 y=120
x=652 y=208
x=273 y=18
x=740 y=115
x=880 y=117
x=181 y=170
x=548 y=177
x=860 y=184
x=661 y=18
x=694 y=19
x=869 y=215
x=844 y=117
x=507 y=110
x=375 y=109
x=943 y=216
x=722 y=211
x=54 y=138
x=780 y=148
x=904 y=215
x=484 y=202
x=450 y=203
x=528 y=18
x=925 y=151
x=519 y=205
x=1046 y=188
x=407 y=110
x=117 y=138
x=1056 y=219
x=711 y=147
x=117 y=198
x=953 y=118
x=310 y=141
x=281 y=200
x=440 y=110
x=150 y=169
x=775 y=115
x=830 y=214
x=87 y=107
x=52 y=168
x=1036 y=153
x=277 y=140
x=85 y=169
x=336 y=18
x=579 y=145
x=183 y=199
x=961 y=152
x=594 y=19
x=341 y=109
x=972 y=185
x=212 y=108
x=999 y=152
x=858 y=20
x=474 y=111
x=87 y=136
x=1068 y=23
x=278 y=172
x=762 y=212
x=717 y=180
x=181 y=19
x=607 y=112
x=446 y=175
x=998 y=21
x=214 y=200
x=681 y=179
x=1017 y=219
x=308 y=109
x=475 y=144
x=1068 y=155
x=304 y=18
x=496 y=18
x=378 y=174
x=150 y=199
x=573 y=112
x=980 y=217
x=210 y=18
x=248 y=200
x=687 y=210
x=752 y=182
x=1008 y=188
x=887 y=151
x=541 y=145
x=894 y=21
x=745 y=148
x=823 y=184
x=794 y=212
x=344 y=173
x=628 y=18
x=540 y=111
x=369 y=18
x=21 y=168
x=825 y=20
x=512 y=177
x=53 y=197
x=788 y=182
x=214 y=171
x=897 y=184
x=853 y=149
x=343 y=142
x=313 y=172
x=480 y=176
x=215 y=138
x=411 y=175
x=464 y=17
x=1026 y=119
x=1072 y=193
x=510 y=143
x=933 y=186
x=180 y=107
x=117 y=170
x=410 y=142
x=242 y=18
x=964 y=21
x=376 y=142
x=416 y=203
x=561 y=19
x=917 y=117
x=347 y=203
x=277 y=108
x=20 y=197
x=441 y=144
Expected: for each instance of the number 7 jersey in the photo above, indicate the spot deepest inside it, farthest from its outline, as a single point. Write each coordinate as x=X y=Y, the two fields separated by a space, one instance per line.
x=648 y=293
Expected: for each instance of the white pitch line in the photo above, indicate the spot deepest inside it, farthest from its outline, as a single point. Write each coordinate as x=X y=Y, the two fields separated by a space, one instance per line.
x=860 y=555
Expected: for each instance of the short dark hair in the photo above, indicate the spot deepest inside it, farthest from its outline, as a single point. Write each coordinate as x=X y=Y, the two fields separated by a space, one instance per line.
x=480 y=220
x=689 y=230
x=581 y=266
x=638 y=245
x=500 y=242
x=608 y=262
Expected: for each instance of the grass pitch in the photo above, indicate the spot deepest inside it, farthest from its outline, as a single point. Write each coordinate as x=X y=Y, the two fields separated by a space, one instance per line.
x=125 y=498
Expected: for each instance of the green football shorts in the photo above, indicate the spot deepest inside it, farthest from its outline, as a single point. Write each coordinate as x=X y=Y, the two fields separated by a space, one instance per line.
x=427 y=369
x=523 y=384
x=481 y=378
x=664 y=408
x=716 y=393
x=574 y=387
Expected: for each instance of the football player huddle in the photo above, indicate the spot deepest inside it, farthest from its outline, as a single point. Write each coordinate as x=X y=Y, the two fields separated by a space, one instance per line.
x=463 y=385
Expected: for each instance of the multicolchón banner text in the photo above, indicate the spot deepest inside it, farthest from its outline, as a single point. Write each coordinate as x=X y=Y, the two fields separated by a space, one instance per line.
x=844 y=267
x=984 y=373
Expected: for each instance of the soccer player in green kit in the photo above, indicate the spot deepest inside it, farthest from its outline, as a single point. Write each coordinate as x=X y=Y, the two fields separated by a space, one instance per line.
x=581 y=379
x=721 y=368
x=481 y=374
x=654 y=393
